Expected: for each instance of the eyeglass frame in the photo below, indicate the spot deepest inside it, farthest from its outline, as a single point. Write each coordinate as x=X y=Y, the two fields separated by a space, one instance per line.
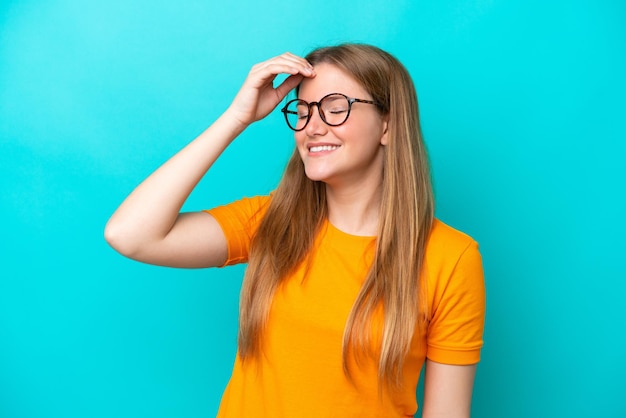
x=310 y=105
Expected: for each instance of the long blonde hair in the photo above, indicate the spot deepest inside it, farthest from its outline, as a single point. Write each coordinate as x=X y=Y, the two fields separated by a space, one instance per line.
x=298 y=209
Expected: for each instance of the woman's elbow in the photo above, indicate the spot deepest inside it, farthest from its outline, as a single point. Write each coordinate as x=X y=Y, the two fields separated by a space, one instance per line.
x=119 y=239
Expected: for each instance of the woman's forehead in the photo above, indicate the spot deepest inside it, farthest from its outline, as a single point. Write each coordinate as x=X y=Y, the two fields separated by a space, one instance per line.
x=329 y=79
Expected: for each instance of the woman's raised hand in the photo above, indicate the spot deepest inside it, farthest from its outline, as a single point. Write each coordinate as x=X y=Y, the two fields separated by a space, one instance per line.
x=258 y=96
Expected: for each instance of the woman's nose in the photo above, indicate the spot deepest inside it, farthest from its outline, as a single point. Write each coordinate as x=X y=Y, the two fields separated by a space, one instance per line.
x=316 y=125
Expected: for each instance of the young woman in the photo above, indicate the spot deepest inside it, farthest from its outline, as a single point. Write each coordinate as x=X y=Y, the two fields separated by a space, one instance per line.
x=352 y=285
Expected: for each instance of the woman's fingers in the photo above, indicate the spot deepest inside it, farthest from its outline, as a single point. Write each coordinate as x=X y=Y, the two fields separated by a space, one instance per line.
x=282 y=64
x=289 y=84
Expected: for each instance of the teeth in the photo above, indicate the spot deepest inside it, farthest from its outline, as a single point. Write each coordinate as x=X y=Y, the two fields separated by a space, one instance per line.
x=319 y=148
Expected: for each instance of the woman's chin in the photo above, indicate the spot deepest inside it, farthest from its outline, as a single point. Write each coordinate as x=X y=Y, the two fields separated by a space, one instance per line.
x=316 y=175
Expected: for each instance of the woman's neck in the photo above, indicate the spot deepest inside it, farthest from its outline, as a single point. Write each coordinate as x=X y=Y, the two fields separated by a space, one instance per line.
x=354 y=210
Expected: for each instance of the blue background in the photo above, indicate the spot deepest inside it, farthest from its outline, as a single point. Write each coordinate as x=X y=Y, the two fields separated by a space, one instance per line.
x=522 y=105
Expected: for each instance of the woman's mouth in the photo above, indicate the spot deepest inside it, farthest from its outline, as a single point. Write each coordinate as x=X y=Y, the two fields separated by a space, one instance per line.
x=322 y=148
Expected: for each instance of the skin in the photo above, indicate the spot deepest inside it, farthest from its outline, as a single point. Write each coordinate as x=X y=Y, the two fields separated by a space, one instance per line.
x=149 y=227
x=447 y=390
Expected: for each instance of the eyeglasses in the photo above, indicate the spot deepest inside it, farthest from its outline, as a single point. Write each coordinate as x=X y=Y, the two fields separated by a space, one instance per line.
x=333 y=109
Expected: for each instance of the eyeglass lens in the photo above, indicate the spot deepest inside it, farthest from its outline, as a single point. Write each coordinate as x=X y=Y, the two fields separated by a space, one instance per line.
x=334 y=110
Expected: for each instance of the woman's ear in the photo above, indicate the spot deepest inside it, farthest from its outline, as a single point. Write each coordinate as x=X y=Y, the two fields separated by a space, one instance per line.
x=384 y=139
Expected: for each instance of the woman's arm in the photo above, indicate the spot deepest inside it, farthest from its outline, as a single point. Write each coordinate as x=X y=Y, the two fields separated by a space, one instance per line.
x=148 y=226
x=447 y=390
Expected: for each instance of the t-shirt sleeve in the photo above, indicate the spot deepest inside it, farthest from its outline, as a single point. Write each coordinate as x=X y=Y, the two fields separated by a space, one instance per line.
x=457 y=311
x=239 y=221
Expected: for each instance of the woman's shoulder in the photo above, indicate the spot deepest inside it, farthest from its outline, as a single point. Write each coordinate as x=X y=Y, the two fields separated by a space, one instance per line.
x=453 y=267
x=249 y=205
x=242 y=214
x=448 y=243
x=444 y=233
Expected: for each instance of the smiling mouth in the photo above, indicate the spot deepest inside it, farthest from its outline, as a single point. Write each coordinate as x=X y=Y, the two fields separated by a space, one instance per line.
x=321 y=148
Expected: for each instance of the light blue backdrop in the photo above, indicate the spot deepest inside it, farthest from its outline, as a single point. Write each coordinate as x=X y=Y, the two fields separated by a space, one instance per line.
x=522 y=104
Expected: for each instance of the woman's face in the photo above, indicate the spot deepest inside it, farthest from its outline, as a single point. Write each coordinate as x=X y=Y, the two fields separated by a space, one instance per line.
x=347 y=155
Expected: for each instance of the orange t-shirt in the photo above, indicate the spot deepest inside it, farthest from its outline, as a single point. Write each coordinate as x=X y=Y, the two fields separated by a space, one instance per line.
x=299 y=373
